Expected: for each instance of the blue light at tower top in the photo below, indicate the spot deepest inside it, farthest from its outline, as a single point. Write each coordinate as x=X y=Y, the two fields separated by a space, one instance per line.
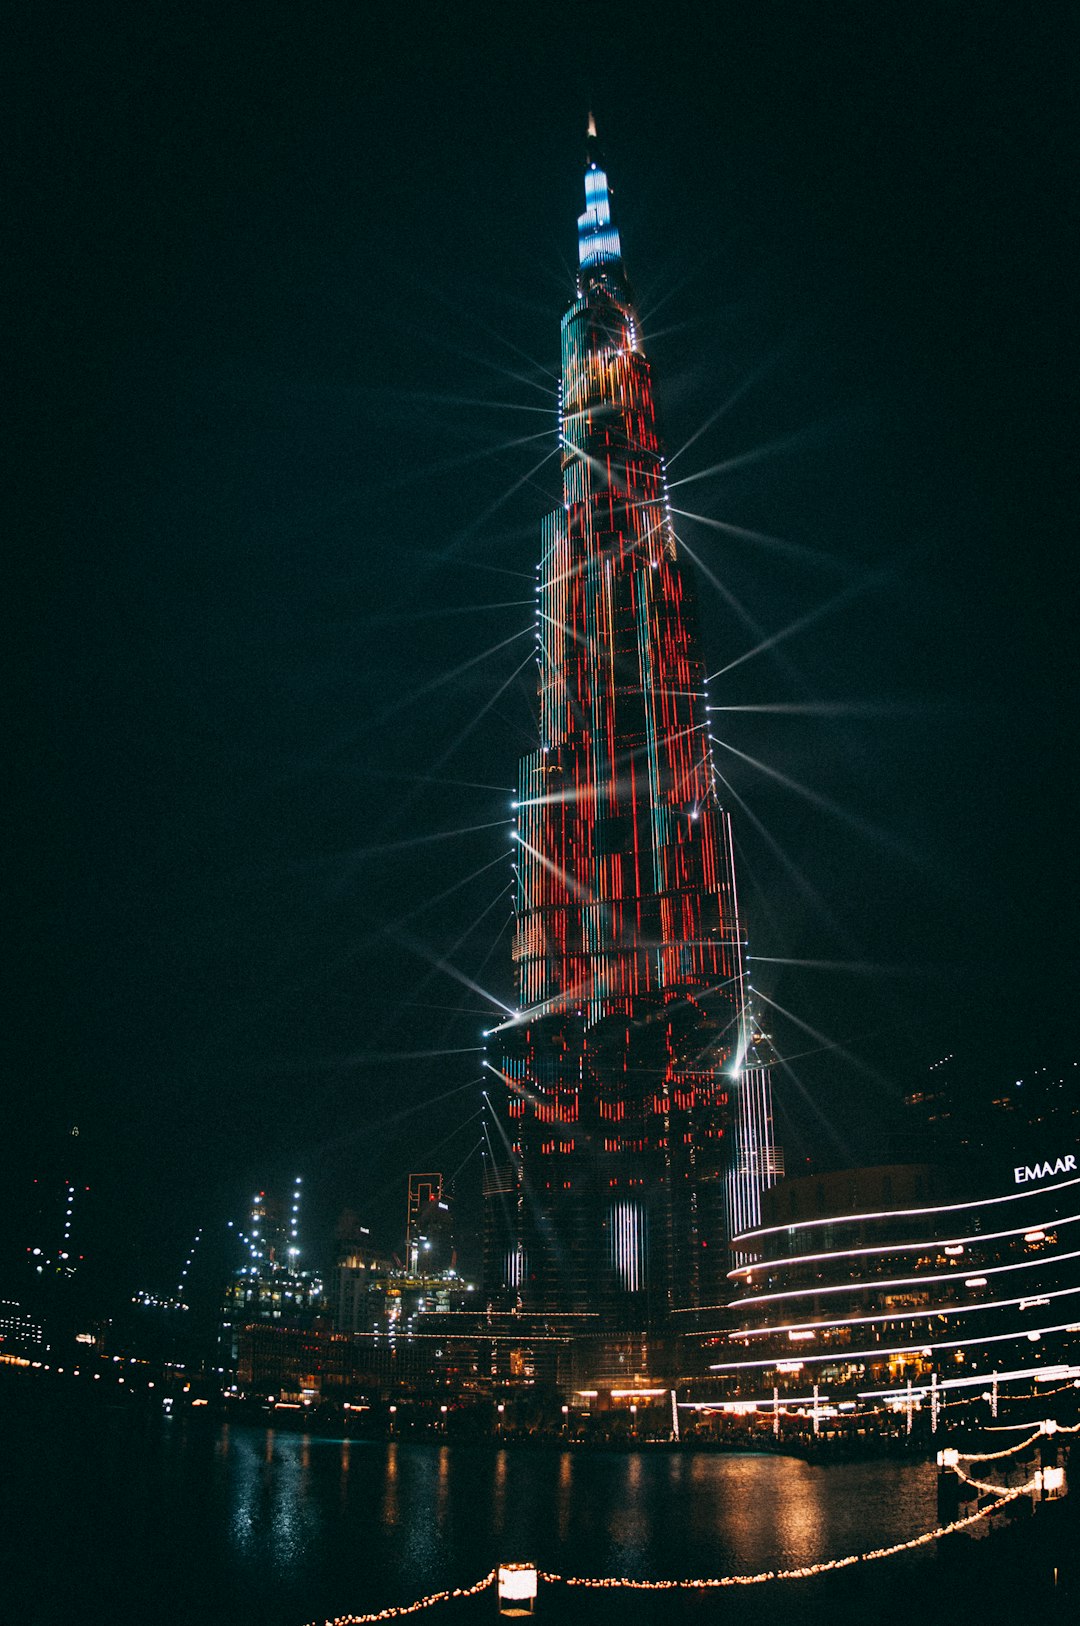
x=598 y=239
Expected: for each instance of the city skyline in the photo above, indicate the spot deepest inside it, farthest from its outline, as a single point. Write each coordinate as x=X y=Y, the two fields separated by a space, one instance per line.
x=283 y=462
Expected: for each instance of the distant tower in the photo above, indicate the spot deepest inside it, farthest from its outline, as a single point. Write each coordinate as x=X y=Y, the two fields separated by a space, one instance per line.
x=428 y=1243
x=636 y=1119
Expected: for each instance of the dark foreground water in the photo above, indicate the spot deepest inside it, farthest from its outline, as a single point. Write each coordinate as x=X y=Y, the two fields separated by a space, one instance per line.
x=184 y=1522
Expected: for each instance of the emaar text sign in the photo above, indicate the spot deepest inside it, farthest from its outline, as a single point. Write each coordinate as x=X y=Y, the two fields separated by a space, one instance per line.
x=1024 y=1172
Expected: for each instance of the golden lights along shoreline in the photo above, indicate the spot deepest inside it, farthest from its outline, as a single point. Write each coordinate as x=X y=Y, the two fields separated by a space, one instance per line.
x=711 y=1583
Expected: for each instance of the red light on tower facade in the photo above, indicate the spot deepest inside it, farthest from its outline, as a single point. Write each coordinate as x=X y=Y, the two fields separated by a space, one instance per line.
x=635 y=1107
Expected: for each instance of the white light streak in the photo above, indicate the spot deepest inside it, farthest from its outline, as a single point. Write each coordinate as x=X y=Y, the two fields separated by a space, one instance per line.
x=910 y=1213
x=876 y=1284
x=846 y=1356
x=804 y=621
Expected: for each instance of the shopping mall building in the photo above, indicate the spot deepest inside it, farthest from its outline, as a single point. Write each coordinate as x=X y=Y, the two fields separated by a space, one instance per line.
x=863 y=1283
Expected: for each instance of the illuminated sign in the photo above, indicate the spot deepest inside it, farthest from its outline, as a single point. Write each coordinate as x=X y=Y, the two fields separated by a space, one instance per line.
x=1044 y=1171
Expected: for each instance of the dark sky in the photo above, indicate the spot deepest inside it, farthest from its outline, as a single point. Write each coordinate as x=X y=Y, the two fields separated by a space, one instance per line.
x=286 y=283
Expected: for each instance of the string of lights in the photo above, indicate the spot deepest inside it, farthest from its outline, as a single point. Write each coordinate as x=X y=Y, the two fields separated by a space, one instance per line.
x=1048 y=1426
x=395 y=1611
x=804 y=1570
x=986 y=1487
x=1006 y=1451
x=709 y=1583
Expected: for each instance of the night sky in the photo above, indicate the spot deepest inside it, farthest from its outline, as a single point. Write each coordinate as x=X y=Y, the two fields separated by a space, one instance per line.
x=286 y=284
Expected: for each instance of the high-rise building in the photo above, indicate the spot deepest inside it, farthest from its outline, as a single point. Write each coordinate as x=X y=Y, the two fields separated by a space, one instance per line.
x=429 y=1242
x=634 y=1113
x=271 y=1283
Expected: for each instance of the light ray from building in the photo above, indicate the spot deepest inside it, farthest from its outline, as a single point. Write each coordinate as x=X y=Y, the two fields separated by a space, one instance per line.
x=860 y=968
x=444 y=678
x=823 y=1038
x=792 y=550
x=876 y=579
x=773 y=448
x=830 y=708
x=454 y=546
x=802 y=881
x=440 y=963
x=736 y=395
x=477 y=716
x=871 y=831
x=398 y=617
x=430 y=471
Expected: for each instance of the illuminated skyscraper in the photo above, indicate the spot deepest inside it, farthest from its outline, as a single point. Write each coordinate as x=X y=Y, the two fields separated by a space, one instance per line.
x=424 y=1190
x=635 y=1115
x=429 y=1241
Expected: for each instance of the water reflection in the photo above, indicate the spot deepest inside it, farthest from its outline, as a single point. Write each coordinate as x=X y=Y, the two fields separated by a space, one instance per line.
x=291 y=1512
x=564 y=1500
x=273 y=1516
x=390 y=1487
x=187 y=1524
x=443 y=1486
x=424 y=1475
x=220 y=1529
x=370 y=1524
x=498 y=1501
x=244 y=1470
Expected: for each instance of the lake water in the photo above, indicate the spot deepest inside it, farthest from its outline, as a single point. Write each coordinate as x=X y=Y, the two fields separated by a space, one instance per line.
x=184 y=1522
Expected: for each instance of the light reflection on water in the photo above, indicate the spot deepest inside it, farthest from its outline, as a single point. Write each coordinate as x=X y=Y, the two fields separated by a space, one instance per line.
x=429 y=1515
x=273 y=1515
x=498 y=1504
x=390 y=1477
x=563 y=1506
x=221 y=1527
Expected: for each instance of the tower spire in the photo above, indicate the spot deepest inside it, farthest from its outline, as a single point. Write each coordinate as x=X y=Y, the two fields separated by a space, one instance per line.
x=598 y=240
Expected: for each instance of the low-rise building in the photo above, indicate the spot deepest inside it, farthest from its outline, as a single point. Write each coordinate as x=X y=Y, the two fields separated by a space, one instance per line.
x=862 y=1282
